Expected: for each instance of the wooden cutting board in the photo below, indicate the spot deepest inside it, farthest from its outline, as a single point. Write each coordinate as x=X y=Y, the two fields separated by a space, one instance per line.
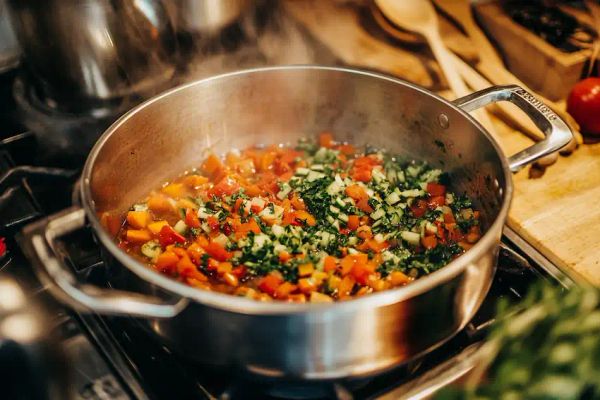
x=558 y=213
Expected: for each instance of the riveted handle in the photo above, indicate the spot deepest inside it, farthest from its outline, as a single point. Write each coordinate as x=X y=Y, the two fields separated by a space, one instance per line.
x=557 y=133
x=39 y=243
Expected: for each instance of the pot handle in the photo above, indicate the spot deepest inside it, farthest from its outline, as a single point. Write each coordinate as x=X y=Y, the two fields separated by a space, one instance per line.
x=554 y=128
x=39 y=243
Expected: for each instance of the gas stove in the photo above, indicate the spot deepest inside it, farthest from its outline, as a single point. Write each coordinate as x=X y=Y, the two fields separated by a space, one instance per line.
x=113 y=357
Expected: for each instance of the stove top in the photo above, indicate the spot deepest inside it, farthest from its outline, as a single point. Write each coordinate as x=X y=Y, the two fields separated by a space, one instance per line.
x=114 y=358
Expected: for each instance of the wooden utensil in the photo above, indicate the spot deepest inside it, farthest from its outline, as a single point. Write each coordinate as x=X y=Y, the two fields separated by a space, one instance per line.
x=419 y=16
x=490 y=63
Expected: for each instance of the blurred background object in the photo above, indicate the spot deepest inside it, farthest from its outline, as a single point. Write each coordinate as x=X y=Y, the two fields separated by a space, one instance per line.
x=33 y=364
x=9 y=49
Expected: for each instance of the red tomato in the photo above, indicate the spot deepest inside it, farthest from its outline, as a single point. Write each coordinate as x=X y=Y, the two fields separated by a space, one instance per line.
x=436 y=201
x=584 y=105
x=168 y=235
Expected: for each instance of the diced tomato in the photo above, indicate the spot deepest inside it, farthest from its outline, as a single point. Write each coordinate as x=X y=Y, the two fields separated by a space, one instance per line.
x=217 y=251
x=225 y=187
x=436 y=201
x=419 y=208
x=168 y=235
x=326 y=139
x=429 y=242
x=191 y=218
x=436 y=189
x=270 y=283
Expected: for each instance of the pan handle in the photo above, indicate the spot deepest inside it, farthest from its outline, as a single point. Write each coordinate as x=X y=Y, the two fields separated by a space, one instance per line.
x=39 y=243
x=554 y=128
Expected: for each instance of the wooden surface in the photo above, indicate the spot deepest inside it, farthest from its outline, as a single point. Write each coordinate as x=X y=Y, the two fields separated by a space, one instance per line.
x=558 y=213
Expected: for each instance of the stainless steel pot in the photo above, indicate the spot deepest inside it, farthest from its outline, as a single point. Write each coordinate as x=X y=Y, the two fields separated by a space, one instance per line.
x=207 y=16
x=85 y=54
x=171 y=132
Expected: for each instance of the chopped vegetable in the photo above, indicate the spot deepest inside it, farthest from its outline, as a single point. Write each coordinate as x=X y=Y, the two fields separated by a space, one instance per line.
x=318 y=223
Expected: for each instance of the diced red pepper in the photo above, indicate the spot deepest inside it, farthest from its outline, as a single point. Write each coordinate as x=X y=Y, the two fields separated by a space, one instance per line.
x=217 y=251
x=213 y=223
x=436 y=189
x=168 y=235
x=419 y=208
x=436 y=201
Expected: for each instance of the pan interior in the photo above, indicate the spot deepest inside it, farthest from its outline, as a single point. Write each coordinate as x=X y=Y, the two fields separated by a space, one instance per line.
x=173 y=133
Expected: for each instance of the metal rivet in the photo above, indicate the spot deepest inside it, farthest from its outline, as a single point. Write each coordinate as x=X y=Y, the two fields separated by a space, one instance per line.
x=444 y=121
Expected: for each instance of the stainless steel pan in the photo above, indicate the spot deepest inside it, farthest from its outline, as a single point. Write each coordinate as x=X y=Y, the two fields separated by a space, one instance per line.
x=171 y=132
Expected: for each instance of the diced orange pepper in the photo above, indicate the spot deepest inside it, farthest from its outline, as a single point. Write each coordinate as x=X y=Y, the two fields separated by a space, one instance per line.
x=326 y=139
x=166 y=260
x=284 y=256
x=329 y=263
x=305 y=217
x=155 y=227
x=230 y=279
x=362 y=270
x=305 y=269
x=347 y=149
x=159 y=204
x=195 y=181
x=345 y=287
x=270 y=283
x=353 y=222
x=195 y=252
x=138 y=219
x=306 y=285
x=398 y=278
x=138 y=235
x=184 y=264
x=212 y=165
x=284 y=290
x=429 y=242
x=297 y=202
x=364 y=232
x=357 y=192
x=174 y=190
x=224 y=267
